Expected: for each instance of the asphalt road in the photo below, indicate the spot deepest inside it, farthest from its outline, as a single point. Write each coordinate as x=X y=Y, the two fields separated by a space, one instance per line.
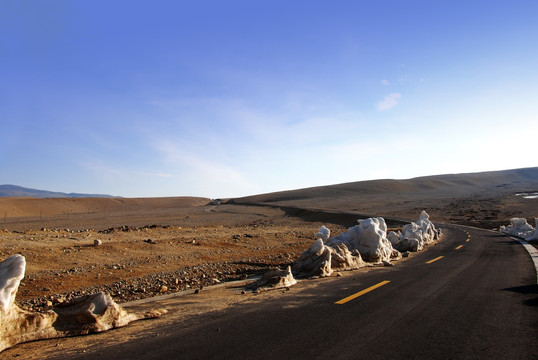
x=478 y=299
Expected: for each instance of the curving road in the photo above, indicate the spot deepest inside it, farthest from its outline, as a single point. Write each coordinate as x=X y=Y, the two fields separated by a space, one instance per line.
x=471 y=296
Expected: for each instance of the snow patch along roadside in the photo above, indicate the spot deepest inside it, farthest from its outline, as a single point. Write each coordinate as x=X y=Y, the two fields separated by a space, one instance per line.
x=83 y=315
x=366 y=243
x=520 y=228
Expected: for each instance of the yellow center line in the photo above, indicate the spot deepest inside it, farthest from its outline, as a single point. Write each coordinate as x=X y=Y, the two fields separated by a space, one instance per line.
x=362 y=292
x=434 y=260
x=459 y=247
x=468 y=239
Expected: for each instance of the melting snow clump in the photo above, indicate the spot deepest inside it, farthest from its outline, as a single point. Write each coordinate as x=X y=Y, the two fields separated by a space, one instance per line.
x=314 y=261
x=520 y=228
x=416 y=235
x=83 y=315
x=275 y=279
x=323 y=233
x=367 y=241
x=322 y=259
x=369 y=238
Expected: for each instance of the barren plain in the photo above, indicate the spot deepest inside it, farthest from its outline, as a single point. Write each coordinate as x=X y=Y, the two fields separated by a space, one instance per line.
x=163 y=245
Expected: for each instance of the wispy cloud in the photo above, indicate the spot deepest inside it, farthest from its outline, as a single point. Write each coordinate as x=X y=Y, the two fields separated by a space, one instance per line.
x=103 y=170
x=119 y=172
x=203 y=170
x=390 y=101
x=385 y=82
x=152 y=174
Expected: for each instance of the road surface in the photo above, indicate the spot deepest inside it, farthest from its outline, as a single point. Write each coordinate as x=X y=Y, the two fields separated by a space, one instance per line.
x=471 y=296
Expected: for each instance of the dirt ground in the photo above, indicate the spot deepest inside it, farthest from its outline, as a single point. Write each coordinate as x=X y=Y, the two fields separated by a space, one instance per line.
x=189 y=247
x=160 y=246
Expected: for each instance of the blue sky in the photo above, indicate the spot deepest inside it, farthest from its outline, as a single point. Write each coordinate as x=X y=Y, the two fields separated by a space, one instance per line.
x=232 y=98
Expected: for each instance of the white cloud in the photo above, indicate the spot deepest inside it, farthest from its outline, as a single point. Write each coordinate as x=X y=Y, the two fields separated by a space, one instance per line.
x=390 y=101
x=385 y=82
x=203 y=173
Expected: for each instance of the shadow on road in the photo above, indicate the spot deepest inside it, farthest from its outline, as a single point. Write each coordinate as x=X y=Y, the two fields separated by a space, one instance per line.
x=510 y=242
x=526 y=290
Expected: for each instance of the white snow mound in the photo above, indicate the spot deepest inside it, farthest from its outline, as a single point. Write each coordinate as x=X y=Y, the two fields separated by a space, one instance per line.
x=416 y=235
x=369 y=238
x=11 y=273
x=323 y=233
x=275 y=279
x=368 y=241
x=520 y=228
x=534 y=234
x=314 y=261
x=81 y=316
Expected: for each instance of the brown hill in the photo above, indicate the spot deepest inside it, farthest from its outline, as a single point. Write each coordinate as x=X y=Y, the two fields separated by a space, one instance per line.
x=462 y=198
x=34 y=207
x=484 y=199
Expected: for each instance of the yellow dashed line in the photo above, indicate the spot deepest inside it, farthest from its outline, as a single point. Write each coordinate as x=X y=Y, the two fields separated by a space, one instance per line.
x=362 y=292
x=434 y=260
x=459 y=247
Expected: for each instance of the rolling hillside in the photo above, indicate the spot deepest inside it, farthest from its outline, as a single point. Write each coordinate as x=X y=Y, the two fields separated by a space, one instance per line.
x=486 y=199
x=494 y=182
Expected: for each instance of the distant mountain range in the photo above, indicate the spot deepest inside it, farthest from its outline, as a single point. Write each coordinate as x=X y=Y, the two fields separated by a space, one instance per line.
x=19 y=191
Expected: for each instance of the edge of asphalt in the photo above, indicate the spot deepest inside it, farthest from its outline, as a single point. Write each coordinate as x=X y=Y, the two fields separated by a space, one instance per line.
x=186 y=292
x=533 y=252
